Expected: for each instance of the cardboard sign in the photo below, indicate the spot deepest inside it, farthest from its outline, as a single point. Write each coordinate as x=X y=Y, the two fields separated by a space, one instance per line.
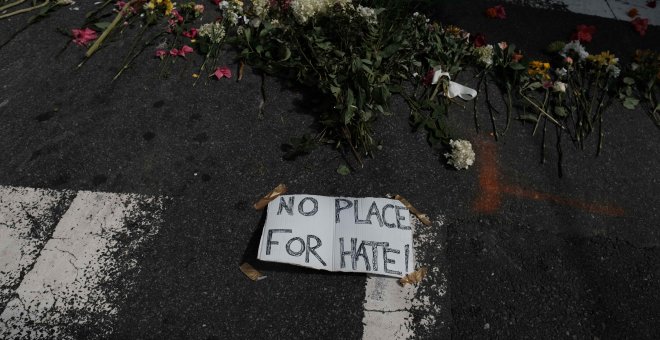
x=366 y=235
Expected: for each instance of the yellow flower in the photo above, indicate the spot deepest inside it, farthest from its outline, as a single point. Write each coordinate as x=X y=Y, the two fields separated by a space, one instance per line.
x=539 y=68
x=603 y=59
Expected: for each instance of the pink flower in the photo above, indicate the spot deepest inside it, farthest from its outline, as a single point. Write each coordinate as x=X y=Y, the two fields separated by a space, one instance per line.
x=82 y=37
x=222 y=72
x=547 y=84
x=176 y=16
x=192 y=33
x=174 y=52
x=503 y=45
x=568 y=60
x=161 y=54
x=185 y=50
x=640 y=25
x=584 y=33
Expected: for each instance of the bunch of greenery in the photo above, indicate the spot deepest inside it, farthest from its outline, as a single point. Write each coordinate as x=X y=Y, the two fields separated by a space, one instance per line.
x=355 y=56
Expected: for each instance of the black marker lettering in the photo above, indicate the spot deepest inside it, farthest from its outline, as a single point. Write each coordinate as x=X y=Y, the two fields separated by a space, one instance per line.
x=357 y=219
x=374 y=250
x=287 y=207
x=339 y=208
x=342 y=263
x=373 y=211
x=295 y=253
x=270 y=237
x=400 y=218
x=407 y=251
x=311 y=212
x=389 y=225
x=312 y=250
x=361 y=252
x=386 y=260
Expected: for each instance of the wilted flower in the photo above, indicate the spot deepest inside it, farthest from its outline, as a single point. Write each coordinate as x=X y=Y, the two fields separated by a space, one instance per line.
x=576 y=48
x=82 y=37
x=640 y=25
x=517 y=57
x=479 y=40
x=221 y=72
x=496 y=12
x=161 y=54
x=462 y=155
x=633 y=12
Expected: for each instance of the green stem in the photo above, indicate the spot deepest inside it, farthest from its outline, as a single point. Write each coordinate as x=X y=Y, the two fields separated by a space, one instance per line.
x=109 y=29
x=24 y=10
x=10 y=5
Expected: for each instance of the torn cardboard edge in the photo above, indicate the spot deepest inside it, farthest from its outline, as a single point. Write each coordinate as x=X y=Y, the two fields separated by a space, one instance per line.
x=275 y=193
x=251 y=273
x=421 y=216
x=414 y=277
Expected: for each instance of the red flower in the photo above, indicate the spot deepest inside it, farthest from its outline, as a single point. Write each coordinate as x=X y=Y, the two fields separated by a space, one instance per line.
x=479 y=40
x=216 y=2
x=496 y=12
x=428 y=78
x=185 y=50
x=174 y=52
x=517 y=57
x=584 y=33
x=651 y=3
x=161 y=54
x=640 y=25
x=222 y=72
x=82 y=37
x=192 y=33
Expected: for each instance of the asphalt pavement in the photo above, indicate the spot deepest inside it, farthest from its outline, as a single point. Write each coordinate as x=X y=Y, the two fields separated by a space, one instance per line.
x=518 y=252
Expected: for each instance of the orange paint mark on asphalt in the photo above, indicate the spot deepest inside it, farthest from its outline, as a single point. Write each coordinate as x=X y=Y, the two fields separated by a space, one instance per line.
x=489 y=198
x=491 y=189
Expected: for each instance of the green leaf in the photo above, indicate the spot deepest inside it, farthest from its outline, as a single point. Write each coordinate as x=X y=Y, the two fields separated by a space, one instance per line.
x=561 y=111
x=102 y=25
x=517 y=66
x=343 y=170
x=529 y=118
x=535 y=85
x=555 y=46
x=630 y=103
x=628 y=80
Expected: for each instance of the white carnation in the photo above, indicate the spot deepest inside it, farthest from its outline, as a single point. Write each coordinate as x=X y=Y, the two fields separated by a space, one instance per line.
x=368 y=13
x=576 y=47
x=303 y=10
x=484 y=55
x=462 y=155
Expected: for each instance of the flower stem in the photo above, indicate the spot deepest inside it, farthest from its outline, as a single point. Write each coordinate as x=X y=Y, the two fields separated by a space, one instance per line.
x=25 y=10
x=10 y=5
x=109 y=29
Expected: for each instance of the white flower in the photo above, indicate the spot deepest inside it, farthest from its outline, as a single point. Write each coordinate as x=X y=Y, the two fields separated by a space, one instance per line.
x=214 y=31
x=303 y=10
x=561 y=72
x=559 y=87
x=369 y=14
x=233 y=10
x=484 y=55
x=260 y=8
x=613 y=71
x=462 y=155
x=576 y=47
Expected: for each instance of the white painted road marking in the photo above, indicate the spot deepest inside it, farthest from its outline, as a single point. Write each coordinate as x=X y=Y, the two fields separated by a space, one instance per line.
x=613 y=9
x=70 y=283
x=389 y=308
